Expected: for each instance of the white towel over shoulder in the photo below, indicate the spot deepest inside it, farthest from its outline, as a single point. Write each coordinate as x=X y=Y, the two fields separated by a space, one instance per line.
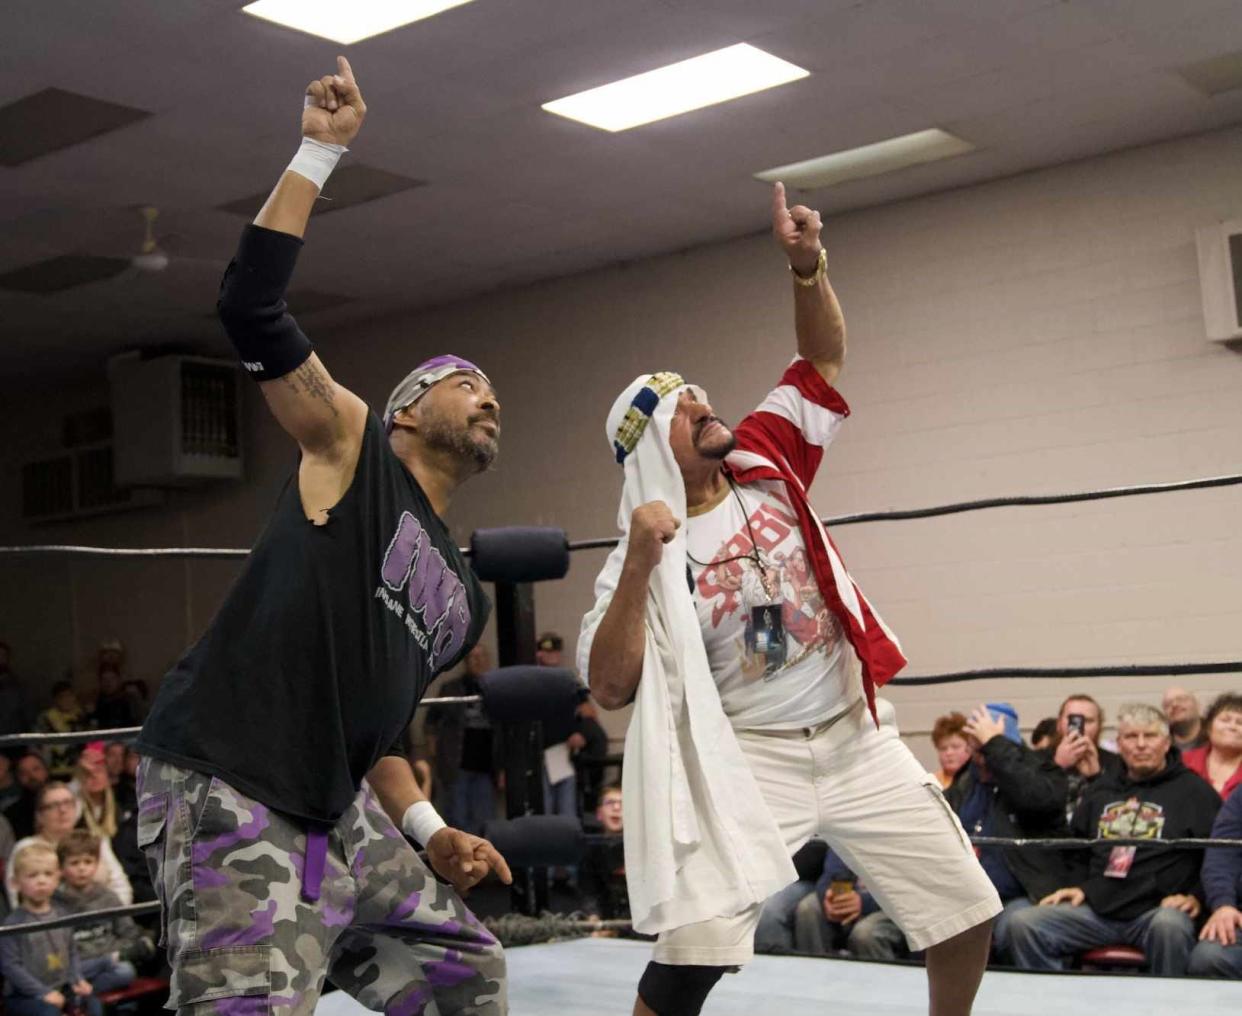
x=700 y=841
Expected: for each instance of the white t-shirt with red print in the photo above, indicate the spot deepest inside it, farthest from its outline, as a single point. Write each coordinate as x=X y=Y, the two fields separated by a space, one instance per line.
x=813 y=681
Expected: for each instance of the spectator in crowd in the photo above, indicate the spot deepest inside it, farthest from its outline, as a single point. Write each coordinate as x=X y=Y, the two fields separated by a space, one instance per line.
x=130 y=773
x=1181 y=708
x=830 y=918
x=560 y=785
x=111 y=817
x=14 y=714
x=56 y=814
x=1013 y=791
x=549 y=649
x=775 y=932
x=65 y=716
x=8 y=840
x=601 y=876
x=463 y=744
x=1045 y=733
x=10 y=789
x=139 y=697
x=951 y=747
x=1133 y=895
x=41 y=972
x=114 y=759
x=114 y=762
x=114 y=707
x=31 y=774
x=111 y=654
x=1219 y=761
x=107 y=950
x=97 y=803
x=1078 y=752
x=1219 y=951
x=589 y=746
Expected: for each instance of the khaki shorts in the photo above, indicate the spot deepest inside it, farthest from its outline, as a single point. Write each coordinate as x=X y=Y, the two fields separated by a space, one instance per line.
x=863 y=791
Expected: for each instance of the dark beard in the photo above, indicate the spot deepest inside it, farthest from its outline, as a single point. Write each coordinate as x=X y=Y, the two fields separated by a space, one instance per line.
x=721 y=451
x=460 y=442
x=717 y=452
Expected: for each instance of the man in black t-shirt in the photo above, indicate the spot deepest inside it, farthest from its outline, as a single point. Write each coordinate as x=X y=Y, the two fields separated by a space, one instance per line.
x=275 y=781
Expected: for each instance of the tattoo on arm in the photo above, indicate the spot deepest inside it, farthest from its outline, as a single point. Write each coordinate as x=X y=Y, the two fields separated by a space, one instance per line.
x=310 y=380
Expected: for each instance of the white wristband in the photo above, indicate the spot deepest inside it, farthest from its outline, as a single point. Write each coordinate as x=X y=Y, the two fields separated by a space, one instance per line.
x=421 y=822
x=315 y=160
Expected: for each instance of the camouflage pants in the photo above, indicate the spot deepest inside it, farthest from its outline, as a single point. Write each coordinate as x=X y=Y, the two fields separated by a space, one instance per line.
x=243 y=940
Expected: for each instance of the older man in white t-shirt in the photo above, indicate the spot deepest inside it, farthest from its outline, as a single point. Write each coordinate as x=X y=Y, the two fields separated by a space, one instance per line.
x=796 y=654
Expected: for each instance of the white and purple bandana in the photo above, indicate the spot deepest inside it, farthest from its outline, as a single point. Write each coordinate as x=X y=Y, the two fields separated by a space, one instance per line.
x=418 y=381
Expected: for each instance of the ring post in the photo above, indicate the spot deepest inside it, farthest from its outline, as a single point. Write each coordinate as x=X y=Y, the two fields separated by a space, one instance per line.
x=514 y=558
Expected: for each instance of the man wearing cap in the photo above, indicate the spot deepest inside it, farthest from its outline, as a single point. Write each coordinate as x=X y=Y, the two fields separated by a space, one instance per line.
x=275 y=782
x=752 y=658
x=560 y=784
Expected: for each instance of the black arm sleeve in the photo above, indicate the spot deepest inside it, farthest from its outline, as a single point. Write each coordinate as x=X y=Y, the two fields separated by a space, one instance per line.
x=1034 y=783
x=252 y=304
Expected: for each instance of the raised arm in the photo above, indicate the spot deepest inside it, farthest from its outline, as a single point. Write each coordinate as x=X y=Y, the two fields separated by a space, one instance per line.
x=325 y=419
x=818 y=321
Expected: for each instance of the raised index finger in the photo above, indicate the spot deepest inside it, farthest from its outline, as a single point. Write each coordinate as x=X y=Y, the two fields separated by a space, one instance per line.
x=344 y=70
x=778 y=199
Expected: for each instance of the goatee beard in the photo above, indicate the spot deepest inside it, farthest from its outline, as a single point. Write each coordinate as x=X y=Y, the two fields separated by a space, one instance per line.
x=461 y=443
x=717 y=451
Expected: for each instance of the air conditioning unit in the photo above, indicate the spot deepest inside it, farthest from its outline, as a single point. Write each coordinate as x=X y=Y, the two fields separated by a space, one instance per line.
x=1220 y=277
x=176 y=420
x=77 y=484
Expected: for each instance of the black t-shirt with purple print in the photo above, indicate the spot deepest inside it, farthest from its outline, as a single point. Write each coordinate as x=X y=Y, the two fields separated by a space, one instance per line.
x=312 y=668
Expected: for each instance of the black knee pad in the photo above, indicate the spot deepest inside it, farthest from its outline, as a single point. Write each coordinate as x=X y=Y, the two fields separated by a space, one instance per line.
x=677 y=990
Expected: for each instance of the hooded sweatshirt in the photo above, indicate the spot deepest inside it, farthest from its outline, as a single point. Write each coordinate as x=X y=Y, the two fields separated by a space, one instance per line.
x=1171 y=804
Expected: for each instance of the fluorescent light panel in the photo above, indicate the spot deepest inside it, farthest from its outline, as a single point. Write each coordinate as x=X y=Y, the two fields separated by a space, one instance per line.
x=705 y=80
x=869 y=160
x=347 y=22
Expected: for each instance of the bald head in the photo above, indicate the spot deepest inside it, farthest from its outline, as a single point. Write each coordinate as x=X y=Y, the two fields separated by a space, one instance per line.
x=1182 y=709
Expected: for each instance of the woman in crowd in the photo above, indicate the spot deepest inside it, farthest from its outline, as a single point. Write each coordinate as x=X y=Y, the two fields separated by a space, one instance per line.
x=57 y=811
x=951 y=747
x=1220 y=760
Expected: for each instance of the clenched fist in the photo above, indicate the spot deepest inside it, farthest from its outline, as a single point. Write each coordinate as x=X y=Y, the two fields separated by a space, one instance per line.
x=651 y=526
x=334 y=110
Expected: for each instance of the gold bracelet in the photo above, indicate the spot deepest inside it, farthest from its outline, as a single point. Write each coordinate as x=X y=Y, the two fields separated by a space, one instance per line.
x=821 y=269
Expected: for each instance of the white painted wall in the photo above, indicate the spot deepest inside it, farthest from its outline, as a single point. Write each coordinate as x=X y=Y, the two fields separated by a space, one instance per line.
x=1031 y=335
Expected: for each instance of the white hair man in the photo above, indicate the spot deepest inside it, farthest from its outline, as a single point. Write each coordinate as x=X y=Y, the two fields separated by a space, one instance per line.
x=1128 y=893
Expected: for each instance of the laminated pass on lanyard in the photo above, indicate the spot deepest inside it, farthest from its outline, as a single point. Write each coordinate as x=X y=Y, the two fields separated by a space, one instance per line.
x=768 y=633
x=765 y=635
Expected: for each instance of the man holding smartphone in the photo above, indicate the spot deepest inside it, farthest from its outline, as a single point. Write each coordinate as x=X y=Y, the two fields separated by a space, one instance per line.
x=1077 y=749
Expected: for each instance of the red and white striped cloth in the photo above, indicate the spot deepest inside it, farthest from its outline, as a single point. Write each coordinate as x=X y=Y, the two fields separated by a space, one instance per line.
x=784 y=439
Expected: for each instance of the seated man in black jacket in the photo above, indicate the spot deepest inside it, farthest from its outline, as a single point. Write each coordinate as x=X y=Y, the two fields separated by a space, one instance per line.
x=1128 y=894
x=1010 y=790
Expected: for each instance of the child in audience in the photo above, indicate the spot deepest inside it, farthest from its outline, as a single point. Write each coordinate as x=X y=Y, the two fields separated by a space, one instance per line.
x=107 y=949
x=40 y=968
